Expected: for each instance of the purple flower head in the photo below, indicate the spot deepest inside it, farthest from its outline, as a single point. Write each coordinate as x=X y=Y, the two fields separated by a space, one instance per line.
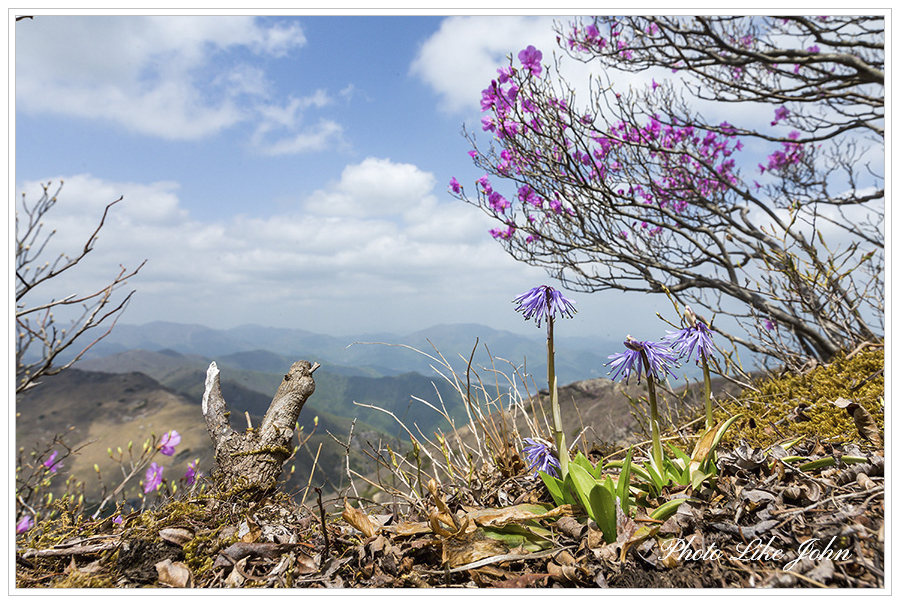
x=531 y=60
x=24 y=524
x=168 y=442
x=540 y=457
x=625 y=363
x=780 y=114
x=769 y=324
x=191 y=475
x=455 y=186
x=544 y=302
x=497 y=202
x=695 y=337
x=52 y=467
x=118 y=520
x=504 y=234
x=153 y=477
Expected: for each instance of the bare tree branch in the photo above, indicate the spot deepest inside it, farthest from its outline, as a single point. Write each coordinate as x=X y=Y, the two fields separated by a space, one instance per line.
x=636 y=190
x=35 y=324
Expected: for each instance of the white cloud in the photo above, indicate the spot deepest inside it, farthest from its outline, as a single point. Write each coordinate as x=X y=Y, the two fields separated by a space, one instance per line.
x=374 y=187
x=176 y=78
x=459 y=60
x=373 y=251
x=277 y=133
x=462 y=57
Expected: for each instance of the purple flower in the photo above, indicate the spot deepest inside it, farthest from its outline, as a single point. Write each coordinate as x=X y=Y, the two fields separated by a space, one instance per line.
x=544 y=302
x=153 y=477
x=455 y=186
x=540 y=457
x=504 y=234
x=780 y=114
x=625 y=363
x=531 y=59
x=696 y=336
x=118 y=519
x=24 y=524
x=168 y=442
x=191 y=475
x=769 y=324
x=52 y=467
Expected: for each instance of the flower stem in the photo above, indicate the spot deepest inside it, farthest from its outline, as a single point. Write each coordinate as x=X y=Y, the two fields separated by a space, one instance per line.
x=656 y=453
x=707 y=387
x=558 y=433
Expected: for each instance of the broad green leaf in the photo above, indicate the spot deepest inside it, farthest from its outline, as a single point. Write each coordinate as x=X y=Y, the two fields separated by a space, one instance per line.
x=555 y=486
x=686 y=461
x=699 y=476
x=569 y=491
x=640 y=472
x=667 y=509
x=514 y=535
x=583 y=483
x=624 y=484
x=603 y=504
x=676 y=473
x=584 y=462
x=656 y=477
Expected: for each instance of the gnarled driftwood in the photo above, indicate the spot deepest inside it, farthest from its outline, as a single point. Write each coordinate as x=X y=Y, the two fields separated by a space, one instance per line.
x=253 y=458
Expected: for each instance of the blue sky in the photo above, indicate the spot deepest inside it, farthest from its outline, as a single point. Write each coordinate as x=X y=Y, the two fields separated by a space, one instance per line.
x=285 y=171
x=279 y=171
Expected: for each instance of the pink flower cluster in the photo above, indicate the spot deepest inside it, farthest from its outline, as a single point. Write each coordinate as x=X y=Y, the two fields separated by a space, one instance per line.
x=678 y=163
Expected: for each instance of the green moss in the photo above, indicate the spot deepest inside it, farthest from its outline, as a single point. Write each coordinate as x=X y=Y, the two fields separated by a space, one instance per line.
x=267 y=450
x=768 y=417
x=76 y=579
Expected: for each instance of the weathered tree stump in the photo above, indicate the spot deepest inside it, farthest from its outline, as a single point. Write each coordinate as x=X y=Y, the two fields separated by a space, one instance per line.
x=253 y=459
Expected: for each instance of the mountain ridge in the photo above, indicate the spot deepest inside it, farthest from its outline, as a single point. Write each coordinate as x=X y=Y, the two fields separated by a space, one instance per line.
x=382 y=354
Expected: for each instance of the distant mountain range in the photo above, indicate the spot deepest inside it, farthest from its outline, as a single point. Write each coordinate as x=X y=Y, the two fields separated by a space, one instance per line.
x=150 y=378
x=577 y=358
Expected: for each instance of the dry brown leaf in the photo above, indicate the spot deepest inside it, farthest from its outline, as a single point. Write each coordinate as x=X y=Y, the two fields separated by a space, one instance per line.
x=305 y=564
x=669 y=549
x=178 y=536
x=863 y=420
x=93 y=567
x=239 y=550
x=866 y=426
x=864 y=481
x=464 y=548
x=408 y=529
x=236 y=578
x=249 y=531
x=174 y=574
x=570 y=527
x=516 y=514
x=523 y=581
x=703 y=446
x=358 y=520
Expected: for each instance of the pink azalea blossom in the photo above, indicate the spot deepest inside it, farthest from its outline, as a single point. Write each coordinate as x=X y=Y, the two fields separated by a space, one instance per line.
x=153 y=477
x=168 y=442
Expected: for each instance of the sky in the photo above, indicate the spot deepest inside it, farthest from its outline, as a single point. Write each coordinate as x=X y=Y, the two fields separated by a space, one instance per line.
x=278 y=171
x=284 y=171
